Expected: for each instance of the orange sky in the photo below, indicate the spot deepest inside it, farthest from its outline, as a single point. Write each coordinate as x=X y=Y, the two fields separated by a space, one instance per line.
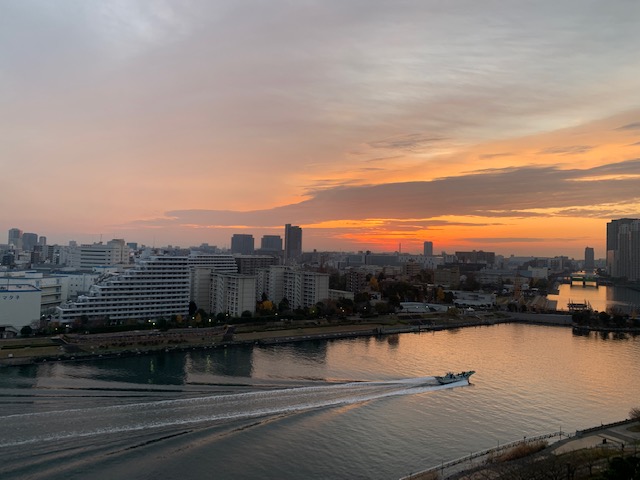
x=508 y=128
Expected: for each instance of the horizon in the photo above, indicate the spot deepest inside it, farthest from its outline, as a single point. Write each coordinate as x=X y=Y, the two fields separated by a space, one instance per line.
x=226 y=248
x=476 y=126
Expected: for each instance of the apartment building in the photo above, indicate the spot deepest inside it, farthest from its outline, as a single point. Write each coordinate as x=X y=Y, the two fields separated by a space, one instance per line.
x=233 y=294
x=156 y=287
x=85 y=257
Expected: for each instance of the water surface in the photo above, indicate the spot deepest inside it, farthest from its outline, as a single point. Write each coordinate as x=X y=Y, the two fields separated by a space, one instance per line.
x=352 y=408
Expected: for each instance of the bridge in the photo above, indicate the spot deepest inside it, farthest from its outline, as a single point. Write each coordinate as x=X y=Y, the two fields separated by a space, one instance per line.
x=584 y=279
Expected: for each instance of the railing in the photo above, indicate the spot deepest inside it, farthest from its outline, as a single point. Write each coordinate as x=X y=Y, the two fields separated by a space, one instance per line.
x=485 y=453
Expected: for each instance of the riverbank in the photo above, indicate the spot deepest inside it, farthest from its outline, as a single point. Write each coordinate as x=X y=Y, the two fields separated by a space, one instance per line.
x=585 y=453
x=73 y=347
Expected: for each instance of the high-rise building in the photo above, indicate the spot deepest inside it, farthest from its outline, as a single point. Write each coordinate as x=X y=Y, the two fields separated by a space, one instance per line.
x=428 y=249
x=242 y=244
x=29 y=240
x=271 y=243
x=292 y=243
x=15 y=238
x=623 y=248
x=589 y=259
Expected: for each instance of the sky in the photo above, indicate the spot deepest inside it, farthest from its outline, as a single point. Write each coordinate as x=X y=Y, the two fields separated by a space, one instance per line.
x=506 y=126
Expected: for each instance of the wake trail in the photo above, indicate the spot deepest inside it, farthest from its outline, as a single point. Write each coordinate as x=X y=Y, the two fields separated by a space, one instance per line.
x=29 y=428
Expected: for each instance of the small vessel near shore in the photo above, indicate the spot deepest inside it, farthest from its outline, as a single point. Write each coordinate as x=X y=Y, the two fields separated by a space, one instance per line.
x=451 y=377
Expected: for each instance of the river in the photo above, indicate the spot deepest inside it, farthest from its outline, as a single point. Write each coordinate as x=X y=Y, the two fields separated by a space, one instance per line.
x=353 y=408
x=601 y=298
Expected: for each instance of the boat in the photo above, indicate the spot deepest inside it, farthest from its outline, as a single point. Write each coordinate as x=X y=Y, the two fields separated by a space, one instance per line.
x=451 y=377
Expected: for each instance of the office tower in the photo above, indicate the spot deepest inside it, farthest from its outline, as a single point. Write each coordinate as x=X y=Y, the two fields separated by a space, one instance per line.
x=292 y=243
x=623 y=248
x=589 y=259
x=271 y=243
x=428 y=249
x=15 y=238
x=242 y=243
x=29 y=240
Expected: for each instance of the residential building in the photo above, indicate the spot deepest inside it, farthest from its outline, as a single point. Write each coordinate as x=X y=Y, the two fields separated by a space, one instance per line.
x=305 y=289
x=220 y=262
x=233 y=294
x=428 y=249
x=249 y=264
x=270 y=281
x=85 y=257
x=157 y=286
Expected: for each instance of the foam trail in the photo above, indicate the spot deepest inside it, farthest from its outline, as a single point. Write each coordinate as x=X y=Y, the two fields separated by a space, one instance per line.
x=199 y=411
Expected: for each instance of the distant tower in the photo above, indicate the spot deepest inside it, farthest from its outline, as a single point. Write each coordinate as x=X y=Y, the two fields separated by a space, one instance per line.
x=15 y=238
x=271 y=243
x=242 y=243
x=292 y=243
x=29 y=240
x=589 y=259
x=428 y=249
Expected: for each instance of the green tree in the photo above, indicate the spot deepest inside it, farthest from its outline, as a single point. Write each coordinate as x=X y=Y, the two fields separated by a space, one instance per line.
x=26 y=331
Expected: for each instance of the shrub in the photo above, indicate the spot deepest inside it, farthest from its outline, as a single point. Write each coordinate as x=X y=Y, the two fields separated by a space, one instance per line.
x=634 y=413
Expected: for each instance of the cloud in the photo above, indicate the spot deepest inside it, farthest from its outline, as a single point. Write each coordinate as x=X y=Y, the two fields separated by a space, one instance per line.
x=630 y=126
x=569 y=150
x=499 y=193
x=410 y=142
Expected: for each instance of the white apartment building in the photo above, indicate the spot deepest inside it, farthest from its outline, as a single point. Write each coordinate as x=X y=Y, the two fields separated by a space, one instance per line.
x=85 y=257
x=217 y=261
x=270 y=281
x=305 y=289
x=156 y=287
x=233 y=293
x=202 y=266
x=301 y=288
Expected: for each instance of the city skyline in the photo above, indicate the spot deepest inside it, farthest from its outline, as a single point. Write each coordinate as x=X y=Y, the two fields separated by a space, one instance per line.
x=512 y=128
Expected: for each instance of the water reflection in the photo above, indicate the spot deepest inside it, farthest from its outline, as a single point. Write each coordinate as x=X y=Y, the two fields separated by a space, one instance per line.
x=231 y=362
x=600 y=298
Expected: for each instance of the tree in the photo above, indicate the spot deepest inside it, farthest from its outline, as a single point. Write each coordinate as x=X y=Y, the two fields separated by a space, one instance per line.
x=193 y=308
x=283 y=306
x=26 y=331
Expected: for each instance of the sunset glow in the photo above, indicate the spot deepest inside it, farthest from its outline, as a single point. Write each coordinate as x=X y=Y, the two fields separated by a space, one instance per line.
x=512 y=128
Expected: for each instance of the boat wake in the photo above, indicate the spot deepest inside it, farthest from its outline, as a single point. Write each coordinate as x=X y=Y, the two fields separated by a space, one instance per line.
x=201 y=411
